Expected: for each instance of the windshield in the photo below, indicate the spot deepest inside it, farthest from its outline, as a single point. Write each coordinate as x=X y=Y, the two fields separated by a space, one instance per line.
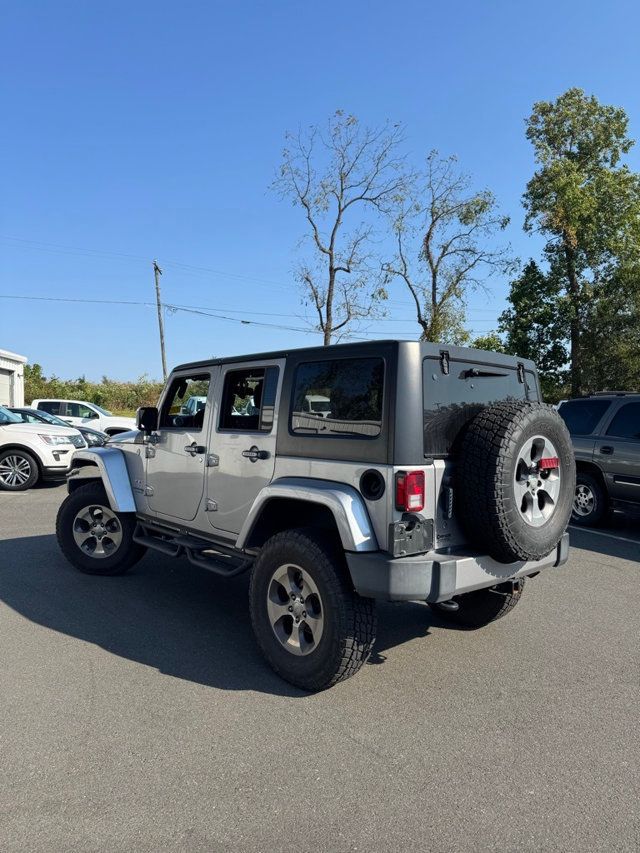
x=50 y=419
x=101 y=410
x=7 y=417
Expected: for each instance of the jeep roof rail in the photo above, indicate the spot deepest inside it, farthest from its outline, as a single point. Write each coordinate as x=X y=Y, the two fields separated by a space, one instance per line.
x=612 y=393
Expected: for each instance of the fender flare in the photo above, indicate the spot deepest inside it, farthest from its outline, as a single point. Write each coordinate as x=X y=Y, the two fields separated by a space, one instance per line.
x=109 y=465
x=345 y=503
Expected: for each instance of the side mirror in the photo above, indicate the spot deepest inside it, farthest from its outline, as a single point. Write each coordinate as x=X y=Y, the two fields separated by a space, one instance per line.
x=147 y=419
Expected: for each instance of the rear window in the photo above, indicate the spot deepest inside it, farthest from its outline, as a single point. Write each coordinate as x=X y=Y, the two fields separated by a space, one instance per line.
x=626 y=422
x=338 y=397
x=451 y=400
x=583 y=416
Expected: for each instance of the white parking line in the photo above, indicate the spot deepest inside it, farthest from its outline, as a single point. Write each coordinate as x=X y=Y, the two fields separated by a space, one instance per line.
x=608 y=535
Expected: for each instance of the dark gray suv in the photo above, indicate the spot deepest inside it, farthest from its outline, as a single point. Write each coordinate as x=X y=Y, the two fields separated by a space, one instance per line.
x=605 y=430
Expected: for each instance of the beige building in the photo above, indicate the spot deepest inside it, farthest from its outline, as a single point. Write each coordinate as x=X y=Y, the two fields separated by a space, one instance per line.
x=11 y=378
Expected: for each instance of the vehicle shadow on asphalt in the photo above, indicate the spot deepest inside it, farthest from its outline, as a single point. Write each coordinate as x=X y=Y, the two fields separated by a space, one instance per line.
x=607 y=545
x=166 y=614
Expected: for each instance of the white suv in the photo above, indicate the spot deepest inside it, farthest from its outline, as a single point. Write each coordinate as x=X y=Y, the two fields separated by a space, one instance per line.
x=81 y=413
x=30 y=452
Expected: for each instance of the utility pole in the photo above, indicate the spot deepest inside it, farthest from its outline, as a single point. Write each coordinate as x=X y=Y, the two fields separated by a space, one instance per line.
x=157 y=273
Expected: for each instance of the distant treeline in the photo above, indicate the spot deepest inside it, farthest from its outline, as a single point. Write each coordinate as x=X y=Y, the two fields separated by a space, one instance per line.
x=112 y=395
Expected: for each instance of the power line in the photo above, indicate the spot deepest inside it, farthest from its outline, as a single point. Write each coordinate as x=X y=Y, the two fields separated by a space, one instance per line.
x=193 y=270
x=214 y=314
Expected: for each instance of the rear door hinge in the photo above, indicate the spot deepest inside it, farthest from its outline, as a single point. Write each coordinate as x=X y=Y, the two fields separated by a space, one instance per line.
x=211 y=506
x=521 y=373
x=212 y=460
x=444 y=361
x=149 y=451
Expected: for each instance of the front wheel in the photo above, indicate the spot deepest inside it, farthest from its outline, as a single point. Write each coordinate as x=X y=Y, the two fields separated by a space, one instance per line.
x=477 y=609
x=18 y=470
x=310 y=625
x=94 y=538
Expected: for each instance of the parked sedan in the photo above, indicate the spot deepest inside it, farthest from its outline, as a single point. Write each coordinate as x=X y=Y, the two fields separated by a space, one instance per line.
x=93 y=437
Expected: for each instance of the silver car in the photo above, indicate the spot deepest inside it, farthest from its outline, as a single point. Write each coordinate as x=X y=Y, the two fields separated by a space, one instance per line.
x=430 y=474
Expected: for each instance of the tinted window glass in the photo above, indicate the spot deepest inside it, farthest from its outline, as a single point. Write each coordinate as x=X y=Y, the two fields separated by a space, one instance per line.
x=338 y=397
x=626 y=422
x=79 y=410
x=451 y=400
x=248 y=399
x=51 y=406
x=583 y=416
x=178 y=412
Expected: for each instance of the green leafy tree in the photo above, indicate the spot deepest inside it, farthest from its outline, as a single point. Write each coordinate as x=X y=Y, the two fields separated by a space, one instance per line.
x=535 y=325
x=444 y=247
x=491 y=342
x=584 y=200
x=611 y=332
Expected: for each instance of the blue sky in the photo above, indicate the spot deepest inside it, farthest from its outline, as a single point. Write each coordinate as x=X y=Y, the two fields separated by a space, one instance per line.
x=135 y=130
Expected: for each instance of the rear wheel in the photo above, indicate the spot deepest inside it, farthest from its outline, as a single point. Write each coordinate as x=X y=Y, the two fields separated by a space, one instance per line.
x=477 y=609
x=94 y=538
x=310 y=625
x=18 y=470
x=590 y=501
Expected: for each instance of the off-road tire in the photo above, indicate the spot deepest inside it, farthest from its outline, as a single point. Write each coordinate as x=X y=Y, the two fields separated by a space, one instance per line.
x=489 y=510
x=34 y=474
x=479 y=608
x=128 y=553
x=350 y=620
x=600 y=502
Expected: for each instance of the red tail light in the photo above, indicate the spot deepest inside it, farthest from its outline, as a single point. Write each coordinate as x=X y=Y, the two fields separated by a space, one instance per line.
x=410 y=491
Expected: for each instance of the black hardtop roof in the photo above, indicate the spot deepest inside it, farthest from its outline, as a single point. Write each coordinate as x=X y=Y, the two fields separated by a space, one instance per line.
x=368 y=348
x=607 y=394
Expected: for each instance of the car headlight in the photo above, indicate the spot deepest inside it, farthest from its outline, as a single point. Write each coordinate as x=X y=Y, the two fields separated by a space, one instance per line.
x=93 y=440
x=55 y=439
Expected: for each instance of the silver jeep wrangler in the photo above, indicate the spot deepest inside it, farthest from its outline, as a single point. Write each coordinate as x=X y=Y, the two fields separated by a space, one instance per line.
x=422 y=473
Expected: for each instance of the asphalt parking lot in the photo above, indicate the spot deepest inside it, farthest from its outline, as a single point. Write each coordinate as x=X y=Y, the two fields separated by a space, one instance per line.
x=137 y=714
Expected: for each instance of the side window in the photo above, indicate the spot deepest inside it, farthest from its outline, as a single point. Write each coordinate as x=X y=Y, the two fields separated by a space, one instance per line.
x=583 y=416
x=248 y=399
x=77 y=410
x=338 y=397
x=186 y=402
x=626 y=422
x=51 y=406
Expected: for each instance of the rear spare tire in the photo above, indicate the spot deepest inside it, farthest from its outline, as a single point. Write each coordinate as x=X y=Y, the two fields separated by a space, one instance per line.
x=516 y=480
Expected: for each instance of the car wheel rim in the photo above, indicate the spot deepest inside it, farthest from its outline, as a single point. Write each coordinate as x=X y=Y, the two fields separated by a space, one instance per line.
x=584 y=501
x=295 y=609
x=15 y=470
x=97 y=531
x=536 y=481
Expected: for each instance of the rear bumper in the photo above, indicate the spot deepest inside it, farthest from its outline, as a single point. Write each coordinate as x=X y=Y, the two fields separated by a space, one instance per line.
x=436 y=576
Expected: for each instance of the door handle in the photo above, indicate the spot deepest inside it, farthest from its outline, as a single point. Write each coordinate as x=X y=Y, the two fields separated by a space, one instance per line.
x=607 y=450
x=194 y=449
x=254 y=454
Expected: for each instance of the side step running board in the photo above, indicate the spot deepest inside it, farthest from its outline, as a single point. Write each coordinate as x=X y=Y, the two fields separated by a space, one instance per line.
x=196 y=551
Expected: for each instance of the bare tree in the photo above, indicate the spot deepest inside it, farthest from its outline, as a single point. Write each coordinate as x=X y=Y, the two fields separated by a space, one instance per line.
x=444 y=236
x=341 y=178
